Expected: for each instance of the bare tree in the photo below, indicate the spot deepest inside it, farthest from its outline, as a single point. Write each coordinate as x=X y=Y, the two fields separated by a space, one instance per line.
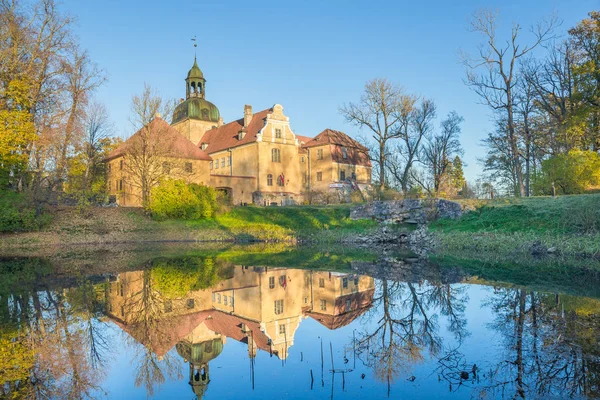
x=380 y=111
x=495 y=84
x=146 y=151
x=437 y=154
x=415 y=125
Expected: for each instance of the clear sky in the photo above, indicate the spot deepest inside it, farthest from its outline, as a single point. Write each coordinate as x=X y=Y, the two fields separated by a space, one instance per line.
x=309 y=56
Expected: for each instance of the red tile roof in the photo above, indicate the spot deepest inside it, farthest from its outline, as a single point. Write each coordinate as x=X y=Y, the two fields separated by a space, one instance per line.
x=304 y=139
x=167 y=332
x=172 y=143
x=231 y=326
x=334 y=137
x=164 y=333
x=226 y=136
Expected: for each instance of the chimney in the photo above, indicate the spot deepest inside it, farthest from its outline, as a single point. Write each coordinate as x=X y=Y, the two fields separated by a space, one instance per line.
x=157 y=116
x=247 y=115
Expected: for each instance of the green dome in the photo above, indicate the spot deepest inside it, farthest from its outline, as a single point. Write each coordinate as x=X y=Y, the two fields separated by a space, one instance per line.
x=195 y=72
x=196 y=108
x=200 y=353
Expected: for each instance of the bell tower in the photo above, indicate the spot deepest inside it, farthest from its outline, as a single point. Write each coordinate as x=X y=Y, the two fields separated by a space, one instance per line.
x=195 y=82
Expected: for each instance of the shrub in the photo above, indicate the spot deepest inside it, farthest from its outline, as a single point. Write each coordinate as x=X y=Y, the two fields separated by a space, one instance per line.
x=177 y=199
x=176 y=277
x=18 y=215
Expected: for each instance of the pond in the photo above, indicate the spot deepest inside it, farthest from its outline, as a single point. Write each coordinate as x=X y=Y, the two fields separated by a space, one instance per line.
x=262 y=323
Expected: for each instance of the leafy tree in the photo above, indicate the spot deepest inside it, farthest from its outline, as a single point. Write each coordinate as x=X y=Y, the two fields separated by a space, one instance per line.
x=571 y=173
x=17 y=131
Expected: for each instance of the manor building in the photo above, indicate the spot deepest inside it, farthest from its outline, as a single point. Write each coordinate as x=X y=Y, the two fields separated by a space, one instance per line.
x=255 y=159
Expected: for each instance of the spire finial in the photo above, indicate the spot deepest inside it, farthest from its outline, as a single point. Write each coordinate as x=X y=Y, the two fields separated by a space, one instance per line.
x=195 y=45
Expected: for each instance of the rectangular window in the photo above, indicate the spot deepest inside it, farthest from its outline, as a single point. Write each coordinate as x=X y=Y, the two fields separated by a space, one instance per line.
x=275 y=155
x=269 y=180
x=121 y=184
x=188 y=167
x=190 y=303
x=271 y=282
x=224 y=300
x=218 y=298
x=231 y=301
x=278 y=133
x=354 y=176
x=210 y=165
x=217 y=164
x=342 y=175
x=278 y=307
x=121 y=165
x=355 y=281
x=228 y=161
x=319 y=176
x=222 y=162
x=282 y=329
x=323 y=305
x=306 y=300
x=214 y=297
x=345 y=282
x=321 y=282
x=344 y=153
x=348 y=305
x=110 y=186
x=319 y=154
x=302 y=159
x=109 y=167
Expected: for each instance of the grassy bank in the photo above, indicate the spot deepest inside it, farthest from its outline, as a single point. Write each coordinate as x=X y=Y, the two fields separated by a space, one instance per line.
x=242 y=224
x=567 y=225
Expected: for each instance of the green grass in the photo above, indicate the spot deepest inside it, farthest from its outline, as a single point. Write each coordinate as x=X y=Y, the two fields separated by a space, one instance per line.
x=327 y=223
x=543 y=215
x=506 y=229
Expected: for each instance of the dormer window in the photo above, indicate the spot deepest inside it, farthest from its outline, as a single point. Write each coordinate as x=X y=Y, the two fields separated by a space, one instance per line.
x=241 y=134
x=204 y=146
x=344 y=153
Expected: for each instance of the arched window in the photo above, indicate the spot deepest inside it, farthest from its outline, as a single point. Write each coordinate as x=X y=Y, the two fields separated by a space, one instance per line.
x=275 y=155
x=269 y=180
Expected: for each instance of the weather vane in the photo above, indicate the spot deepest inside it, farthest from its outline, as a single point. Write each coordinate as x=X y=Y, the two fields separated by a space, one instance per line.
x=195 y=44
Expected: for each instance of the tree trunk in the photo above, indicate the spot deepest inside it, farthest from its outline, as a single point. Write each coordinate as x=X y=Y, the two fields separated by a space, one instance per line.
x=382 y=165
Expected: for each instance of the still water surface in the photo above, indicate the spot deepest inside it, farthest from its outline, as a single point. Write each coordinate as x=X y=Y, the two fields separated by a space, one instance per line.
x=208 y=327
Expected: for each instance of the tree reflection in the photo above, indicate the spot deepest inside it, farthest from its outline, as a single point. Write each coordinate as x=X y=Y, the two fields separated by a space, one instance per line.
x=548 y=348
x=408 y=326
x=146 y=307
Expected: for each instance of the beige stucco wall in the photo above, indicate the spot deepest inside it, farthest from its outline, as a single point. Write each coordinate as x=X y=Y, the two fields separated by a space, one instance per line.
x=131 y=195
x=194 y=129
x=323 y=165
x=331 y=170
x=241 y=187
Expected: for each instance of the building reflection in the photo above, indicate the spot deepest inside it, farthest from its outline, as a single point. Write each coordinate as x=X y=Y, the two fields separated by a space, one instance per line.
x=259 y=306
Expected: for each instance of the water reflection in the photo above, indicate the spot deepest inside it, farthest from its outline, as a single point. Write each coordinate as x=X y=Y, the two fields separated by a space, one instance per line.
x=169 y=307
x=204 y=324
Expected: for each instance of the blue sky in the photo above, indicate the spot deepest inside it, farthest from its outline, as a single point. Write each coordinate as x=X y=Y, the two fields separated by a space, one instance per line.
x=309 y=56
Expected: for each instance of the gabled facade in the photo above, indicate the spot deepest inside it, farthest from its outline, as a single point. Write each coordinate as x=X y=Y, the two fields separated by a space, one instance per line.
x=256 y=159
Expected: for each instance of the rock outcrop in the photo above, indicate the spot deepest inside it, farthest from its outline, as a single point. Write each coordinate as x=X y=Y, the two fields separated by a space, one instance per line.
x=392 y=215
x=409 y=211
